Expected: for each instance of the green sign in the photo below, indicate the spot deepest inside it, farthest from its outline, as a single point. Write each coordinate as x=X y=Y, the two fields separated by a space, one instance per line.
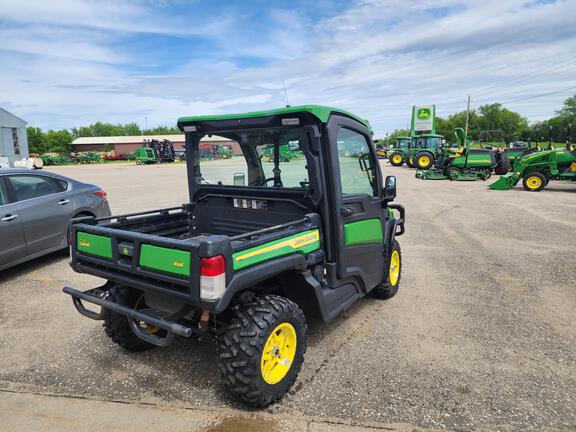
x=424 y=119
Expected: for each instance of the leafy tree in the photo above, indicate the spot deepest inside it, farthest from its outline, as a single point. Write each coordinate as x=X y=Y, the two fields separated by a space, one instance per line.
x=59 y=141
x=36 y=140
x=493 y=116
x=163 y=130
x=107 y=129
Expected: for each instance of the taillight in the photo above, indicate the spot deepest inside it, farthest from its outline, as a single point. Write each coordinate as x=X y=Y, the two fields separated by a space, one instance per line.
x=212 y=277
x=101 y=194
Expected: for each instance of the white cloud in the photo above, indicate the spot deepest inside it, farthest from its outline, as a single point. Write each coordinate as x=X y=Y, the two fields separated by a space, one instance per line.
x=375 y=59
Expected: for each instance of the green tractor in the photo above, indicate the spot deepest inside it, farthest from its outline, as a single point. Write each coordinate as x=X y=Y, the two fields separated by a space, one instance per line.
x=427 y=148
x=399 y=150
x=285 y=153
x=538 y=168
x=461 y=162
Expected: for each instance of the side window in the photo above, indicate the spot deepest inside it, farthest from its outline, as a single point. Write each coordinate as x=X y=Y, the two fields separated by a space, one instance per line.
x=61 y=185
x=355 y=160
x=30 y=186
x=3 y=194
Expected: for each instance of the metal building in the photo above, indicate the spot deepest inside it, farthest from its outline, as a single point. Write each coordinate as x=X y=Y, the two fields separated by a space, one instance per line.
x=13 y=139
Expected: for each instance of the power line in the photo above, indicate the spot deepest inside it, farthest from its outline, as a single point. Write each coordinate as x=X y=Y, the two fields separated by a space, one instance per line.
x=540 y=95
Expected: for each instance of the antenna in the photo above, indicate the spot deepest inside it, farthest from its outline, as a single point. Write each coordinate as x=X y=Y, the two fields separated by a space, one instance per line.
x=285 y=94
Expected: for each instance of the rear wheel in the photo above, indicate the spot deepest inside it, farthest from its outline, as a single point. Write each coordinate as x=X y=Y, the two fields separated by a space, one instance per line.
x=261 y=352
x=117 y=326
x=424 y=161
x=534 y=182
x=389 y=287
x=503 y=165
x=396 y=159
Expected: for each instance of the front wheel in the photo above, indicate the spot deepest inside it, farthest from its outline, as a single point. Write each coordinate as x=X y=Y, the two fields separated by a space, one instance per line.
x=534 y=182
x=389 y=286
x=261 y=352
x=396 y=159
x=424 y=161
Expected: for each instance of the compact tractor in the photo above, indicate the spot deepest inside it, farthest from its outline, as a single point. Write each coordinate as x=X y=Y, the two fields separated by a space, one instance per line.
x=426 y=149
x=251 y=250
x=538 y=168
x=461 y=163
x=397 y=157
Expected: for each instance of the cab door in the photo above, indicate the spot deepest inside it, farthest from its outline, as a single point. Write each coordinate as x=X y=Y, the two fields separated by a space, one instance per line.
x=356 y=192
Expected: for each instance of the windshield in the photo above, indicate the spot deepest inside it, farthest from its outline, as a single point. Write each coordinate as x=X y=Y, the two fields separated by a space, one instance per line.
x=403 y=143
x=270 y=157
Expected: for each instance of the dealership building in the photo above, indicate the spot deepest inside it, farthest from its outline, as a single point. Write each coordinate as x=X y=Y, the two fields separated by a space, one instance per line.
x=128 y=144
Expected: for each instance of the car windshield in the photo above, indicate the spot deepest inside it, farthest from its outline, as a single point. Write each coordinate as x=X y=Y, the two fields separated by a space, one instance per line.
x=263 y=157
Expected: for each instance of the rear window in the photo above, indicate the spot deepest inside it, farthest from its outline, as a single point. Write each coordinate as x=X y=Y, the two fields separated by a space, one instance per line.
x=3 y=194
x=263 y=157
x=61 y=185
x=30 y=186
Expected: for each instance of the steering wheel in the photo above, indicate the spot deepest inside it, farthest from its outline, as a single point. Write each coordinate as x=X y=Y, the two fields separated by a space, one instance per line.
x=269 y=180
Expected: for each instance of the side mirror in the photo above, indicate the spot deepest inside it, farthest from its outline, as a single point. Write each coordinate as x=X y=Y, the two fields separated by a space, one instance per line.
x=389 y=191
x=239 y=179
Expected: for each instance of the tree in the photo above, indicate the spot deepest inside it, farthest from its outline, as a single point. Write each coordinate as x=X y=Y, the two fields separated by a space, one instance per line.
x=163 y=130
x=512 y=124
x=36 y=140
x=59 y=141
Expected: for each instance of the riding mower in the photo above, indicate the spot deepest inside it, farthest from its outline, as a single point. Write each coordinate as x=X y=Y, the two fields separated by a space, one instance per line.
x=461 y=163
x=538 y=168
x=399 y=151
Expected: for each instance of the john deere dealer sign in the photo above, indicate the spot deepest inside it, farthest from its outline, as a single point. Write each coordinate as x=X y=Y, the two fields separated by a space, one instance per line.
x=424 y=118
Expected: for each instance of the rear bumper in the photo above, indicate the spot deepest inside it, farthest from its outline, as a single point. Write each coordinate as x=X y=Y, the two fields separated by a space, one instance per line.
x=98 y=295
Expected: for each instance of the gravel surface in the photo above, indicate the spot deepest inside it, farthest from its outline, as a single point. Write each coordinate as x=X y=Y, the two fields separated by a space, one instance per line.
x=482 y=334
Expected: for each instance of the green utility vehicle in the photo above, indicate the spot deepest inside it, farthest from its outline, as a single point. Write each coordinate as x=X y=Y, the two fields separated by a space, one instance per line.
x=537 y=169
x=461 y=163
x=427 y=148
x=145 y=155
x=397 y=156
x=285 y=153
x=251 y=250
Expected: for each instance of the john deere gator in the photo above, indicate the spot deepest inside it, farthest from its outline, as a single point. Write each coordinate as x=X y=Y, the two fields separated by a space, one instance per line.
x=252 y=250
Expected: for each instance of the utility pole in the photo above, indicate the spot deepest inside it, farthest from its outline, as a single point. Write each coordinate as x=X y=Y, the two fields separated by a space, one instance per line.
x=467 y=116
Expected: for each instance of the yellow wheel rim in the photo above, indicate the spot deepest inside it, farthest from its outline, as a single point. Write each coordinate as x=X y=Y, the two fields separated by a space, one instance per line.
x=397 y=158
x=394 y=272
x=534 y=182
x=278 y=353
x=424 y=160
x=146 y=328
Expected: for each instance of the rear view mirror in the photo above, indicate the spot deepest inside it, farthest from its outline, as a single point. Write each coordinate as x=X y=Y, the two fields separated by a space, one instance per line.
x=239 y=179
x=389 y=191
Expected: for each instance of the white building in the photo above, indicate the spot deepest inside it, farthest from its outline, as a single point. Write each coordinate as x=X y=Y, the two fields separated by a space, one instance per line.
x=13 y=138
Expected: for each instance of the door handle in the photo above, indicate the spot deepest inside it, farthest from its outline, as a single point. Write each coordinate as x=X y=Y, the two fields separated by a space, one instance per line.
x=347 y=211
x=9 y=218
x=63 y=202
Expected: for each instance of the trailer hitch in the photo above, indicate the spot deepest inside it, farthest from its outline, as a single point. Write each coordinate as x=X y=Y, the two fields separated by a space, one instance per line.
x=98 y=295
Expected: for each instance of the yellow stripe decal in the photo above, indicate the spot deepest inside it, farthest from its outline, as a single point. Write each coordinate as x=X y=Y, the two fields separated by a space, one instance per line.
x=294 y=243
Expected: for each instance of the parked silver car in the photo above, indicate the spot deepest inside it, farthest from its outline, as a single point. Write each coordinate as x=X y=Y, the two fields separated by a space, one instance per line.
x=35 y=208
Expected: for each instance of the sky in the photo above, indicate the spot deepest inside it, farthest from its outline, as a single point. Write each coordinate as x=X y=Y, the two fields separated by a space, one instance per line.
x=69 y=63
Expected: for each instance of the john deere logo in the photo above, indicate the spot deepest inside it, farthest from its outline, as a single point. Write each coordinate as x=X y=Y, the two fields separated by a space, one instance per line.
x=178 y=264
x=84 y=243
x=424 y=114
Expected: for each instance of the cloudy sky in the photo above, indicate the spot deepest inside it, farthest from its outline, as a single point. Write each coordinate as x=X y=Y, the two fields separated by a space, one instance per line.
x=66 y=63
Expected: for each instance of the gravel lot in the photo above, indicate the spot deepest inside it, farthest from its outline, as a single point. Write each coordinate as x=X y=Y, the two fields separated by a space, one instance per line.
x=482 y=334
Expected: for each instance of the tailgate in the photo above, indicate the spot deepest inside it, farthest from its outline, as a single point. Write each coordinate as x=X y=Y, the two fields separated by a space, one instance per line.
x=149 y=262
